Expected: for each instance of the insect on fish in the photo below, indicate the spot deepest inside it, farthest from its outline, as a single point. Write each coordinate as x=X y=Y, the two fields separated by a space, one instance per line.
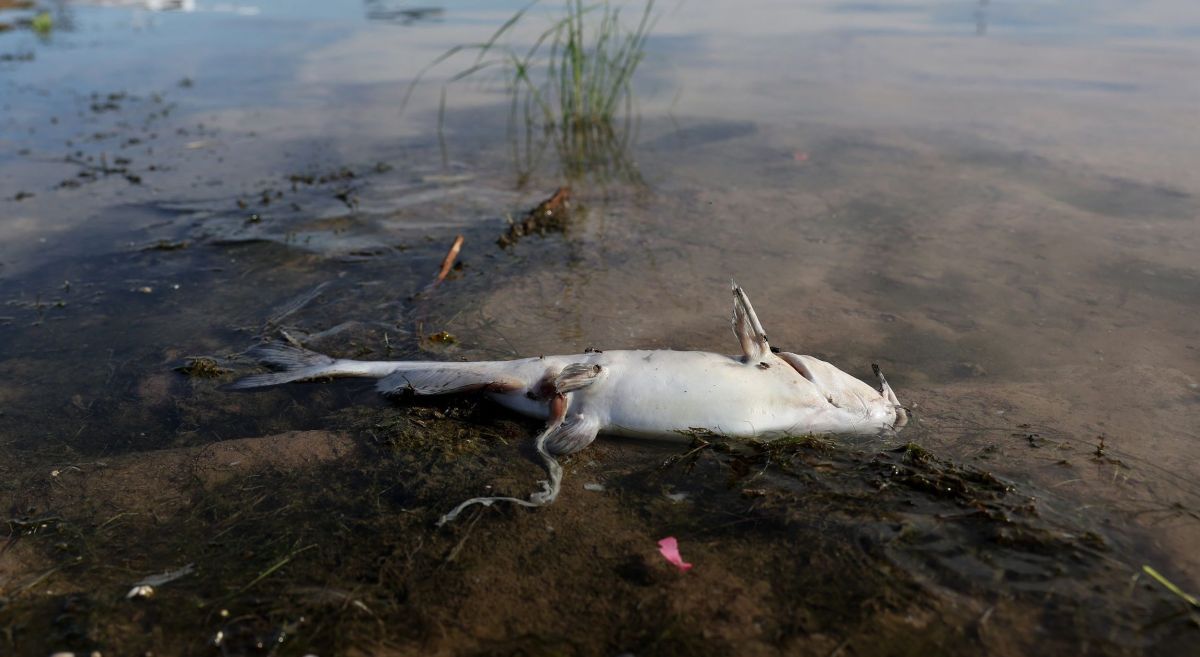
x=761 y=393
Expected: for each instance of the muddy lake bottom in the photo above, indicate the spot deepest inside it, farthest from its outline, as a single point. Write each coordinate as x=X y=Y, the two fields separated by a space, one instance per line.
x=307 y=513
x=1035 y=308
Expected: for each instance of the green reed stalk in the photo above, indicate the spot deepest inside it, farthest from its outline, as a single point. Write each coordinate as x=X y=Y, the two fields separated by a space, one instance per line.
x=569 y=85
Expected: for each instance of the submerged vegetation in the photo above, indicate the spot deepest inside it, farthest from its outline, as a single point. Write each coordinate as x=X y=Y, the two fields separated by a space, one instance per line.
x=28 y=15
x=572 y=88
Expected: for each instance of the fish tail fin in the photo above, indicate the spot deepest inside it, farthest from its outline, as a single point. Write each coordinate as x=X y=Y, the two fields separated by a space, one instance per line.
x=292 y=363
x=286 y=357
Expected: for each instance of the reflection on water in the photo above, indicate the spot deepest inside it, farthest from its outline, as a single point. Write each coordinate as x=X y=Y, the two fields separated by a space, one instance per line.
x=383 y=10
x=1006 y=224
x=981 y=18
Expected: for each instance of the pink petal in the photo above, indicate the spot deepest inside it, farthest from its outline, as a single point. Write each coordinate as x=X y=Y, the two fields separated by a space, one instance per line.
x=669 y=547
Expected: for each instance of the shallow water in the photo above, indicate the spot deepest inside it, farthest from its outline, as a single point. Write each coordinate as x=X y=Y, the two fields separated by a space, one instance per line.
x=994 y=201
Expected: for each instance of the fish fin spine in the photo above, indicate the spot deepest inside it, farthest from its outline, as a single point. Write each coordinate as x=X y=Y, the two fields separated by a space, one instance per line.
x=747 y=328
x=890 y=395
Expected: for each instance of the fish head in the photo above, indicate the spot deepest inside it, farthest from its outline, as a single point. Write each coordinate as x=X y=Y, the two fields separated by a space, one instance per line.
x=876 y=407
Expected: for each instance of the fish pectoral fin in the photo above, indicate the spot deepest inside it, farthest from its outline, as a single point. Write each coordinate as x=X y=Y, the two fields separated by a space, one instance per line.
x=434 y=380
x=577 y=376
x=573 y=434
x=747 y=328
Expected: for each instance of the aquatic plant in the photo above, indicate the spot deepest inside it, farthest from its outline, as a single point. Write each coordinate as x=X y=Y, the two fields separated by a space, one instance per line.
x=571 y=88
x=42 y=23
x=1171 y=586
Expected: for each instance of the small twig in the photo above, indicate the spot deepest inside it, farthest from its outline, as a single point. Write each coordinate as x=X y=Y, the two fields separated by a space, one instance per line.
x=294 y=305
x=39 y=579
x=463 y=541
x=448 y=261
x=115 y=518
x=291 y=340
x=549 y=215
x=267 y=573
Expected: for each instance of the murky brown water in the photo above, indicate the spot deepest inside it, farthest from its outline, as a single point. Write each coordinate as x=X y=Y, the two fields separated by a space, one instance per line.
x=996 y=202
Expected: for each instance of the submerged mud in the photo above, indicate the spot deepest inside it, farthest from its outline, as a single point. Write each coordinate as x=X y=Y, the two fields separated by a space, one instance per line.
x=325 y=542
x=307 y=513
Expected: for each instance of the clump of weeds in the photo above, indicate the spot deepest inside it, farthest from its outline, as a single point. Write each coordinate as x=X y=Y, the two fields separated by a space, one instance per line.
x=571 y=88
x=202 y=367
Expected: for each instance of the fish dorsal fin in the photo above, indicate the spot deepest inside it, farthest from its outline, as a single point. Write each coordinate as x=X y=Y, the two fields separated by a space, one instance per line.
x=747 y=328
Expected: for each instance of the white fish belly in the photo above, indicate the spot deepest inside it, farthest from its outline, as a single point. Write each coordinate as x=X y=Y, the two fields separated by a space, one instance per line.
x=667 y=394
x=664 y=393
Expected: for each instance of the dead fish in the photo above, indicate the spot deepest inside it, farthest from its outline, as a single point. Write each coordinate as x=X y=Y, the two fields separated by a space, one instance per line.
x=761 y=394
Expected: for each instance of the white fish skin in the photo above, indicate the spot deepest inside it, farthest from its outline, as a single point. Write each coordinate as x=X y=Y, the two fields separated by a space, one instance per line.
x=650 y=394
x=660 y=394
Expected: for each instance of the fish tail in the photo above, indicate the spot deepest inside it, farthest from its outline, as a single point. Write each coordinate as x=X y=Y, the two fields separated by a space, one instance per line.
x=397 y=377
x=292 y=364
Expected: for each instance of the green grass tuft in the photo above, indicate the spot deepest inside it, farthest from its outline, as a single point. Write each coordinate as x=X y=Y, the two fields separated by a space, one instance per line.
x=571 y=88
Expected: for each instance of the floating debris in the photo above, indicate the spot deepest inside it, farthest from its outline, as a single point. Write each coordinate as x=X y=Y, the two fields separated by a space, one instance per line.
x=167 y=245
x=202 y=367
x=550 y=215
x=145 y=587
x=448 y=261
x=669 y=548
x=140 y=591
x=289 y=308
x=443 y=338
x=448 y=179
